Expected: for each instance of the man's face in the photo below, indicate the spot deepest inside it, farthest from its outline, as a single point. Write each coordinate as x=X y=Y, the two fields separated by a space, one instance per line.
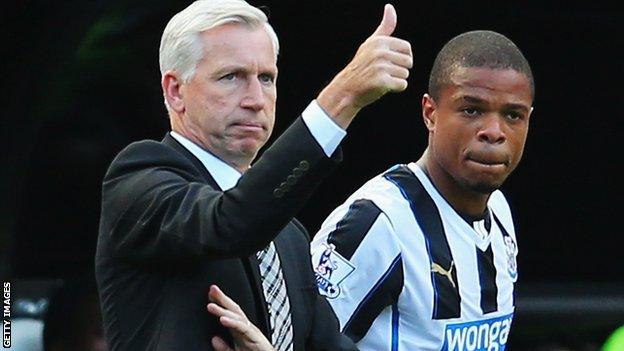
x=478 y=126
x=229 y=105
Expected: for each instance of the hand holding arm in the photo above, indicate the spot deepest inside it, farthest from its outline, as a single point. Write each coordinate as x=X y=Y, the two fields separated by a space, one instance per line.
x=380 y=65
x=247 y=337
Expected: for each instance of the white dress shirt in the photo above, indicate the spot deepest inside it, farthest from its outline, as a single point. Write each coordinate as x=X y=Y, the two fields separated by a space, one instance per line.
x=324 y=130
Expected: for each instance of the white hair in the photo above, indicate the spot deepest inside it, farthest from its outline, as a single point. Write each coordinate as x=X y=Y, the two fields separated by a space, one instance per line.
x=180 y=46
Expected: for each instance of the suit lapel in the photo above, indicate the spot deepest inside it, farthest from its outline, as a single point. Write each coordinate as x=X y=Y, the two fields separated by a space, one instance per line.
x=170 y=141
x=250 y=263
x=252 y=266
x=284 y=245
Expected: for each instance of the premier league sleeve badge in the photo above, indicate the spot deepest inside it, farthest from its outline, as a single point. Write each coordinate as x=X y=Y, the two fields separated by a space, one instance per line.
x=330 y=270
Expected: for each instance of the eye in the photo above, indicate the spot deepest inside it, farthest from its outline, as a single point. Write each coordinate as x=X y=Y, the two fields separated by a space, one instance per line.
x=513 y=115
x=266 y=78
x=228 y=77
x=471 y=112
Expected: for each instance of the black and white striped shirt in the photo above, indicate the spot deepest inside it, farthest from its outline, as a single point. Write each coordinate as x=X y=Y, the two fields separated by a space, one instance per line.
x=404 y=271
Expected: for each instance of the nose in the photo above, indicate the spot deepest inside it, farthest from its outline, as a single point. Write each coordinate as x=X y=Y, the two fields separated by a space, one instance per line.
x=492 y=130
x=254 y=98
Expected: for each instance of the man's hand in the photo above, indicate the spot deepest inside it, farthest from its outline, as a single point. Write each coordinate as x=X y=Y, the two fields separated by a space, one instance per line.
x=380 y=65
x=246 y=336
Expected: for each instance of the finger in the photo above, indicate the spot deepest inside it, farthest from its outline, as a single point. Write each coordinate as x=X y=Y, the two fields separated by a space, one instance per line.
x=396 y=85
x=238 y=325
x=398 y=72
x=400 y=45
x=399 y=59
x=216 y=295
x=220 y=311
x=388 y=22
x=388 y=43
x=220 y=345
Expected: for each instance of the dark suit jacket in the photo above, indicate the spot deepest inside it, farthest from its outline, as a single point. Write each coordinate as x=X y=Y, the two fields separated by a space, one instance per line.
x=167 y=232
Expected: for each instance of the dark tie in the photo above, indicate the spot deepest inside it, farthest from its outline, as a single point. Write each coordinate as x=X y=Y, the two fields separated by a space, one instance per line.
x=274 y=288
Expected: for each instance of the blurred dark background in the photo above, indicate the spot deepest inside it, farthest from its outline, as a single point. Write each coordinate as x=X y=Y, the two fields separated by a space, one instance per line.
x=81 y=81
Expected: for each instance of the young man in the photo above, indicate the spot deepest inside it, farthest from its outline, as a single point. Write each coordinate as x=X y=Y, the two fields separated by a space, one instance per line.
x=423 y=256
x=190 y=211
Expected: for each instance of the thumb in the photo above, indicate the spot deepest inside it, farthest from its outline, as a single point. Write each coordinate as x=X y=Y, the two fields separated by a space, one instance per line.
x=388 y=22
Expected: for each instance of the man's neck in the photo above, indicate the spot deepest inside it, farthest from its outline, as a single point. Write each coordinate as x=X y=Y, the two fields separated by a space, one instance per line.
x=223 y=173
x=464 y=201
x=240 y=165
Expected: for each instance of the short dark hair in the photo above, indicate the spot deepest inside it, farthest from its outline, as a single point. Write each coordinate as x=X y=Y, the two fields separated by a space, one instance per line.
x=480 y=48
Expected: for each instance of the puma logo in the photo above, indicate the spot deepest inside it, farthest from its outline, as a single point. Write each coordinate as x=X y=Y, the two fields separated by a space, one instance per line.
x=436 y=268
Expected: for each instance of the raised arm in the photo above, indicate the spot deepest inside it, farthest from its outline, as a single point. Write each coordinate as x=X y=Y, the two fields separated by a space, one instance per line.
x=158 y=208
x=380 y=65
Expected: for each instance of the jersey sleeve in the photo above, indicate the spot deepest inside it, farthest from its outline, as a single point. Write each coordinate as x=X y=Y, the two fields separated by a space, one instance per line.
x=358 y=265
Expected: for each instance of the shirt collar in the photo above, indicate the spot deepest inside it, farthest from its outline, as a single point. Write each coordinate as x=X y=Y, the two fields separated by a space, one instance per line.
x=225 y=175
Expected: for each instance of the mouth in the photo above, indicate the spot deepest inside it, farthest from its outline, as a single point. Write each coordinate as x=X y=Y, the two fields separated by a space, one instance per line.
x=248 y=126
x=488 y=161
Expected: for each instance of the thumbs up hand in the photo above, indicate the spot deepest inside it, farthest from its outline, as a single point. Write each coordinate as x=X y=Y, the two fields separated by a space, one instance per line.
x=388 y=22
x=380 y=65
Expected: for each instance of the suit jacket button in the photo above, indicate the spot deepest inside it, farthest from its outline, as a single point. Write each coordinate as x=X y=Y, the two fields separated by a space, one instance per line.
x=304 y=165
x=285 y=187
x=291 y=180
x=297 y=172
x=277 y=193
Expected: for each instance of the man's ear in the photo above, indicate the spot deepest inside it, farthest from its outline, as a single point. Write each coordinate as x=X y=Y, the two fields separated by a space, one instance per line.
x=428 y=111
x=172 y=90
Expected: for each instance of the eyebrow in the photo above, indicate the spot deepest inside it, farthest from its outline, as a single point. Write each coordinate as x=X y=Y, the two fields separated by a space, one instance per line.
x=477 y=100
x=231 y=68
x=242 y=68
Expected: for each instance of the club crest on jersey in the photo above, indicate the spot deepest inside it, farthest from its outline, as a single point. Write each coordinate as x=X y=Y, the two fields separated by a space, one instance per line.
x=330 y=270
x=511 y=249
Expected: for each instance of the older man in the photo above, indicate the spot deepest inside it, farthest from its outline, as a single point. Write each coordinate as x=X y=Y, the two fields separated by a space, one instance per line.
x=190 y=211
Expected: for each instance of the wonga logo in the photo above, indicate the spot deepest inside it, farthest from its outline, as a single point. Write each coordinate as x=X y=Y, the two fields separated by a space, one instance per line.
x=485 y=335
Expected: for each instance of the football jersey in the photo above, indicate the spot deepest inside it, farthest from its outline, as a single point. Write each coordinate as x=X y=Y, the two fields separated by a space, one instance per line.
x=403 y=270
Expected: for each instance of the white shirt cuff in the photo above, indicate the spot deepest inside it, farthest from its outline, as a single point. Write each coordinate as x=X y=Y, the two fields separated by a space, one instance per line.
x=326 y=132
